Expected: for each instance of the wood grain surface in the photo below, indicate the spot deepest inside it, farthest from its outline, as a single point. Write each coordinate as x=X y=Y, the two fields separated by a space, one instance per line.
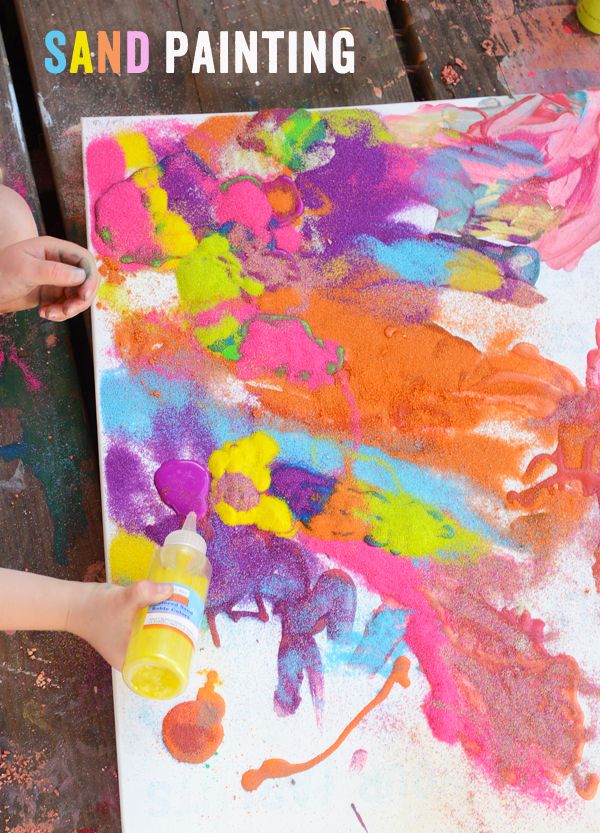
x=506 y=47
x=57 y=755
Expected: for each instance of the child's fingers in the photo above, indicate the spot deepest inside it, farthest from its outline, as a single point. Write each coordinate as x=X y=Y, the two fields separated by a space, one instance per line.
x=148 y=592
x=53 y=312
x=87 y=290
x=63 y=308
x=52 y=249
x=55 y=273
x=74 y=306
x=82 y=258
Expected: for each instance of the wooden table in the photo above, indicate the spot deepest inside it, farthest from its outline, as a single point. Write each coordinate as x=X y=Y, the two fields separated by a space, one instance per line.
x=60 y=770
x=463 y=48
x=57 y=761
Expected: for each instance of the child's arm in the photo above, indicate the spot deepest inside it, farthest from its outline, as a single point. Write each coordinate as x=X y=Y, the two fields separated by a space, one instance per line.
x=102 y=614
x=58 y=276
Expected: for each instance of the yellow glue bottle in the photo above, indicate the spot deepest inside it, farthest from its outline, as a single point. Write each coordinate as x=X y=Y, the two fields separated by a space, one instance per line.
x=165 y=635
x=588 y=12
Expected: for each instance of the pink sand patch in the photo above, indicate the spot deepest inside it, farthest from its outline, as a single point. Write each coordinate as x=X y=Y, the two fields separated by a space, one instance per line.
x=359 y=759
x=245 y=203
x=105 y=164
x=283 y=347
x=13 y=357
x=124 y=226
x=288 y=238
x=495 y=689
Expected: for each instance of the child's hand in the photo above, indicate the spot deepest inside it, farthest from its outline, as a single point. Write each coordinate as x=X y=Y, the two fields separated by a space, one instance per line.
x=59 y=276
x=103 y=615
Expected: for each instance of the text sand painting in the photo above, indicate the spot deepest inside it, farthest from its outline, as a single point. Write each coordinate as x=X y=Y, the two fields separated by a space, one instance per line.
x=378 y=328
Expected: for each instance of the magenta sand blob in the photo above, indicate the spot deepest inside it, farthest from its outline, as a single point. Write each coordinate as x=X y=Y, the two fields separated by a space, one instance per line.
x=183 y=485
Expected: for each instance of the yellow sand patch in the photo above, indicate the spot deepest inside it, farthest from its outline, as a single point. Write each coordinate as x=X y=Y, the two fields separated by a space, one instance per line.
x=129 y=557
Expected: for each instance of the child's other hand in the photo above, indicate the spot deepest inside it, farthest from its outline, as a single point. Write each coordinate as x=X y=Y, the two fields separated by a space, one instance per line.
x=59 y=276
x=103 y=615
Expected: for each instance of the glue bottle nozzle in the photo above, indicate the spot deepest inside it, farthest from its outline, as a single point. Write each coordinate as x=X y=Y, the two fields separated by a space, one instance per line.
x=190 y=522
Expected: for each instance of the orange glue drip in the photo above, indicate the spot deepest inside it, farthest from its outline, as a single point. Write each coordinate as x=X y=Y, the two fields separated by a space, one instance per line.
x=278 y=768
x=590 y=787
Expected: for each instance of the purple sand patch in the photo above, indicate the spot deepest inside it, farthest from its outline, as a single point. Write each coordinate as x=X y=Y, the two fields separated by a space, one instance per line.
x=252 y=569
x=306 y=492
x=357 y=183
x=128 y=487
x=189 y=185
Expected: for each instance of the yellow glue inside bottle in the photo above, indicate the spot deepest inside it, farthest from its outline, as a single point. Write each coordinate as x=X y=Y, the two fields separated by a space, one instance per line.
x=165 y=635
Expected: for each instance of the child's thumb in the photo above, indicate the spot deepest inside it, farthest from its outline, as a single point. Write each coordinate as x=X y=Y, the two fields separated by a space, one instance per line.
x=150 y=592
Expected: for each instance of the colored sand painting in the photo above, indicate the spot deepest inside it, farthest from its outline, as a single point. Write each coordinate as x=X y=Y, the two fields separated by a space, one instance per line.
x=378 y=329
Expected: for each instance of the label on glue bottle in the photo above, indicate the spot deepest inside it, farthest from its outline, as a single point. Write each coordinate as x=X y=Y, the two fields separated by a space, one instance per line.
x=182 y=612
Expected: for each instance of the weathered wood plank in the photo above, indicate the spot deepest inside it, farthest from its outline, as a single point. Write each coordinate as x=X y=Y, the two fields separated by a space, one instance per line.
x=447 y=30
x=380 y=74
x=57 y=757
x=507 y=47
x=379 y=71
x=541 y=45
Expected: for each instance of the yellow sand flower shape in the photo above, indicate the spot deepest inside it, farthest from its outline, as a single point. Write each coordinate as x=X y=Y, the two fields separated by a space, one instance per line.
x=241 y=476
